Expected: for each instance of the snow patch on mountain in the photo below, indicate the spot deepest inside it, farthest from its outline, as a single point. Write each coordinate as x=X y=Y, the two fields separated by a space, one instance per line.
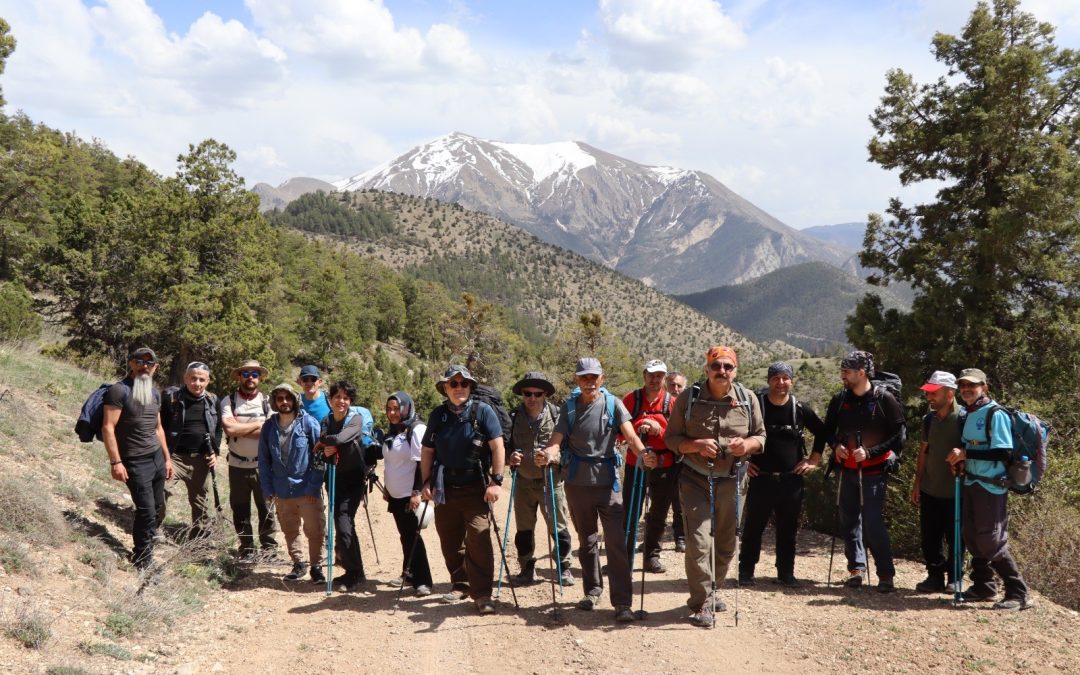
x=549 y=159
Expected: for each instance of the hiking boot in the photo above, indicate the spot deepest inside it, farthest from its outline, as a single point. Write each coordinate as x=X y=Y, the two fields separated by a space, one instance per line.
x=680 y=545
x=317 y=576
x=623 y=614
x=346 y=583
x=396 y=583
x=588 y=602
x=297 y=573
x=747 y=580
x=788 y=581
x=1015 y=604
x=567 y=575
x=527 y=574
x=655 y=566
x=247 y=558
x=855 y=579
x=703 y=617
x=931 y=584
x=718 y=605
x=978 y=593
x=484 y=606
x=885 y=585
x=454 y=596
x=159 y=537
x=422 y=591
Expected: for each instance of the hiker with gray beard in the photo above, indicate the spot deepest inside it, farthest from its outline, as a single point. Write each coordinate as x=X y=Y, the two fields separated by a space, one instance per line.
x=137 y=448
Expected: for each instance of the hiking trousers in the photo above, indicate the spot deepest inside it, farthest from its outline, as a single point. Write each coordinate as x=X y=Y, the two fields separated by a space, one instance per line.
x=310 y=513
x=244 y=486
x=984 y=525
x=528 y=497
x=464 y=535
x=865 y=528
x=936 y=516
x=663 y=485
x=694 y=493
x=768 y=494
x=146 y=483
x=191 y=469
x=407 y=527
x=349 y=490
x=592 y=507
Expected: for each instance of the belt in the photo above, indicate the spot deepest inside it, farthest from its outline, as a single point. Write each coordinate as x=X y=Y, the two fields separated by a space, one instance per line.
x=189 y=455
x=242 y=458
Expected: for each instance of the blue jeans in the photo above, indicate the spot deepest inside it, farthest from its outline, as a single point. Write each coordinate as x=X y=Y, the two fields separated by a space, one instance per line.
x=865 y=529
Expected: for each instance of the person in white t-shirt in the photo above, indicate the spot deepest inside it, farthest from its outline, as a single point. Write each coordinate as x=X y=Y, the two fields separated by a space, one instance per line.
x=401 y=476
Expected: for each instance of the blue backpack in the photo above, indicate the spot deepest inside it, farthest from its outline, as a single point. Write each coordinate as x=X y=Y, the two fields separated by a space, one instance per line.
x=88 y=426
x=1027 y=460
x=569 y=459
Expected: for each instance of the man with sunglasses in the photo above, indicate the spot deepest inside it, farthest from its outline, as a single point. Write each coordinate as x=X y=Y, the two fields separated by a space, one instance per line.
x=189 y=415
x=137 y=448
x=315 y=401
x=715 y=425
x=533 y=423
x=243 y=413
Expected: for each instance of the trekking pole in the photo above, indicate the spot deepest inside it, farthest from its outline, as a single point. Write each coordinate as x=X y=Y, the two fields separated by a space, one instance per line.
x=502 y=549
x=635 y=514
x=862 y=514
x=630 y=520
x=832 y=548
x=712 y=544
x=412 y=552
x=958 y=551
x=549 y=476
x=213 y=484
x=506 y=531
x=331 y=468
x=371 y=530
x=740 y=467
x=641 y=614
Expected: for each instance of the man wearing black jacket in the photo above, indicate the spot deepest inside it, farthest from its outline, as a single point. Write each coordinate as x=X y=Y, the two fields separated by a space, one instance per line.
x=776 y=476
x=867 y=423
x=189 y=415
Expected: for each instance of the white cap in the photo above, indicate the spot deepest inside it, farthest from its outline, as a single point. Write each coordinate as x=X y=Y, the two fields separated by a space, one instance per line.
x=655 y=366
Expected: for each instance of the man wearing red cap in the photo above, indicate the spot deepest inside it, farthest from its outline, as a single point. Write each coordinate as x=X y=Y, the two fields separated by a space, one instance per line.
x=713 y=425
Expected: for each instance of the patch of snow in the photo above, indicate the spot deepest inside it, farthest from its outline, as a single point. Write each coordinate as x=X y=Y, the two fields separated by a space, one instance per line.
x=547 y=159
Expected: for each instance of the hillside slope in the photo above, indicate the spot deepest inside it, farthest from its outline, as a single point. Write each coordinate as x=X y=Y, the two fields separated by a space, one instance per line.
x=502 y=263
x=803 y=305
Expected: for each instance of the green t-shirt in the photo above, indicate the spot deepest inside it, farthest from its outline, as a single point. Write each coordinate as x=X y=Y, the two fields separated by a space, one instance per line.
x=942 y=437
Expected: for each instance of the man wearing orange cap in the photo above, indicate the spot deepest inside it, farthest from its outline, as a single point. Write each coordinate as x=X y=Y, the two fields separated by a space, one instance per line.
x=714 y=424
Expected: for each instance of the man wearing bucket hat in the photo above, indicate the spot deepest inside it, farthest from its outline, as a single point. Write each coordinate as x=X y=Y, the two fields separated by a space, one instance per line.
x=932 y=489
x=590 y=421
x=462 y=470
x=984 y=515
x=533 y=423
x=292 y=479
x=650 y=407
x=243 y=412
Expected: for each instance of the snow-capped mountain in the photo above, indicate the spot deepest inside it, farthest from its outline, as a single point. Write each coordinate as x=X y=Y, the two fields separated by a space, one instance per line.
x=679 y=230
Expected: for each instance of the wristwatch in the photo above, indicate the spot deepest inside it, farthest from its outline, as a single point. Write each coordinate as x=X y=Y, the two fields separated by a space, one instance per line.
x=497 y=478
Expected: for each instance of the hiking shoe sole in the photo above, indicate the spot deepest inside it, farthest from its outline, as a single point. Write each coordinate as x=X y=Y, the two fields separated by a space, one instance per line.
x=453 y=597
x=422 y=591
x=588 y=603
x=854 y=581
x=624 y=614
x=1014 y=604
x=485 y=607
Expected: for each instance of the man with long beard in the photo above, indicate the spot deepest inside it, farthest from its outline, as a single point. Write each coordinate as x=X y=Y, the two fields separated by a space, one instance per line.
x=138 y=451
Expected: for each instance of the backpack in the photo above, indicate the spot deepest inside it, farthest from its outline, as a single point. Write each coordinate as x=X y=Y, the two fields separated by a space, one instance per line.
x=639 y=400
x=88 y=426
x=1027 y=460
x=170 y=398
x=366 y=440
x=265 y=403
x=880 y=383
x=491 y=396
x=571 y=460
x=796 y=415
x=742 y=395
x=571 y=408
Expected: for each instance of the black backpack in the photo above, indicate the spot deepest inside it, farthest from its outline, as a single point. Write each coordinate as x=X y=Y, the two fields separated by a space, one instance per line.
x=639 y=403
x=491 y=396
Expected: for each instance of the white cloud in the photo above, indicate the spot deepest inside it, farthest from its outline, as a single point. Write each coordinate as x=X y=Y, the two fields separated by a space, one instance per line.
x=608 y=132
x=663 y=92
x=446 y=46
x=669 y=35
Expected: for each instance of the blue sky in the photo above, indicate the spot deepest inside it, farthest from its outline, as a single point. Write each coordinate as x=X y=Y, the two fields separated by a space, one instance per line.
x=770 y=96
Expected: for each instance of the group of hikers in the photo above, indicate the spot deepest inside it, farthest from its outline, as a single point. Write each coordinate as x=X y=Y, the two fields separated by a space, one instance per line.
x=723 y=458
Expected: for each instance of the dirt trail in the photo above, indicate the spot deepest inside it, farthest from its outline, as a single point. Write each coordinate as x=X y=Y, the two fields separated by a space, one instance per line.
x=268 y=625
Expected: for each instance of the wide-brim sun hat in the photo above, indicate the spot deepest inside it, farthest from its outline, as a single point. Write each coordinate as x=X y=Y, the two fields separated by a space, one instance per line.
x=450 y=373
x=250 y=364
x=534 y=378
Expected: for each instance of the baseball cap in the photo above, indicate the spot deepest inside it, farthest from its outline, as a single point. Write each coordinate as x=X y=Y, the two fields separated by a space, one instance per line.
x=143 y=353
x=588 y=366
x=309 y=371
x=655 y=366
x=939 y=379
x=972 y=375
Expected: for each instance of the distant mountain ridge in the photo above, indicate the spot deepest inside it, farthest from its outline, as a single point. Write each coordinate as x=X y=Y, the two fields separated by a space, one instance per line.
x=848 y=235
x=675 y=229
x=803 y=305
x=279 y=197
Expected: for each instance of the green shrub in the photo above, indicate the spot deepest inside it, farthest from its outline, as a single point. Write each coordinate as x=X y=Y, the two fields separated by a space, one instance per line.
x=106 y=649
x=30 y=627
x=14 y=557
x=66 y=670
x=28 y=511
x=18 y=320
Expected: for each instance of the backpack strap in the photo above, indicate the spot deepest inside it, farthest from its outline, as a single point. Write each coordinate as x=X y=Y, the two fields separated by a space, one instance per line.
x=665 y=407
x=695 y=393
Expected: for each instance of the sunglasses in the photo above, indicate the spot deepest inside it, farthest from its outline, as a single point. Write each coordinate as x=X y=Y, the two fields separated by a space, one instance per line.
x=457 y=384
x=145 y=362
x=533 y=394
x=250 y=374
x=717 y=367
x=309 y=378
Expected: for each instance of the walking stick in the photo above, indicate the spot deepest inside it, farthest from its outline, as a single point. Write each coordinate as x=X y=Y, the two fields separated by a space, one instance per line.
x=641 y=614
x=331 y=468
x=740 y=471
x=631 y=522
x=958 y=551
x=371 y=530
x=213 y=484
x=832 y=548
x=862 y=514
x=412 y=553
x=506 y=531
x=556 y=561
x=502 y=548
x=712 y=544
x=635 y=514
